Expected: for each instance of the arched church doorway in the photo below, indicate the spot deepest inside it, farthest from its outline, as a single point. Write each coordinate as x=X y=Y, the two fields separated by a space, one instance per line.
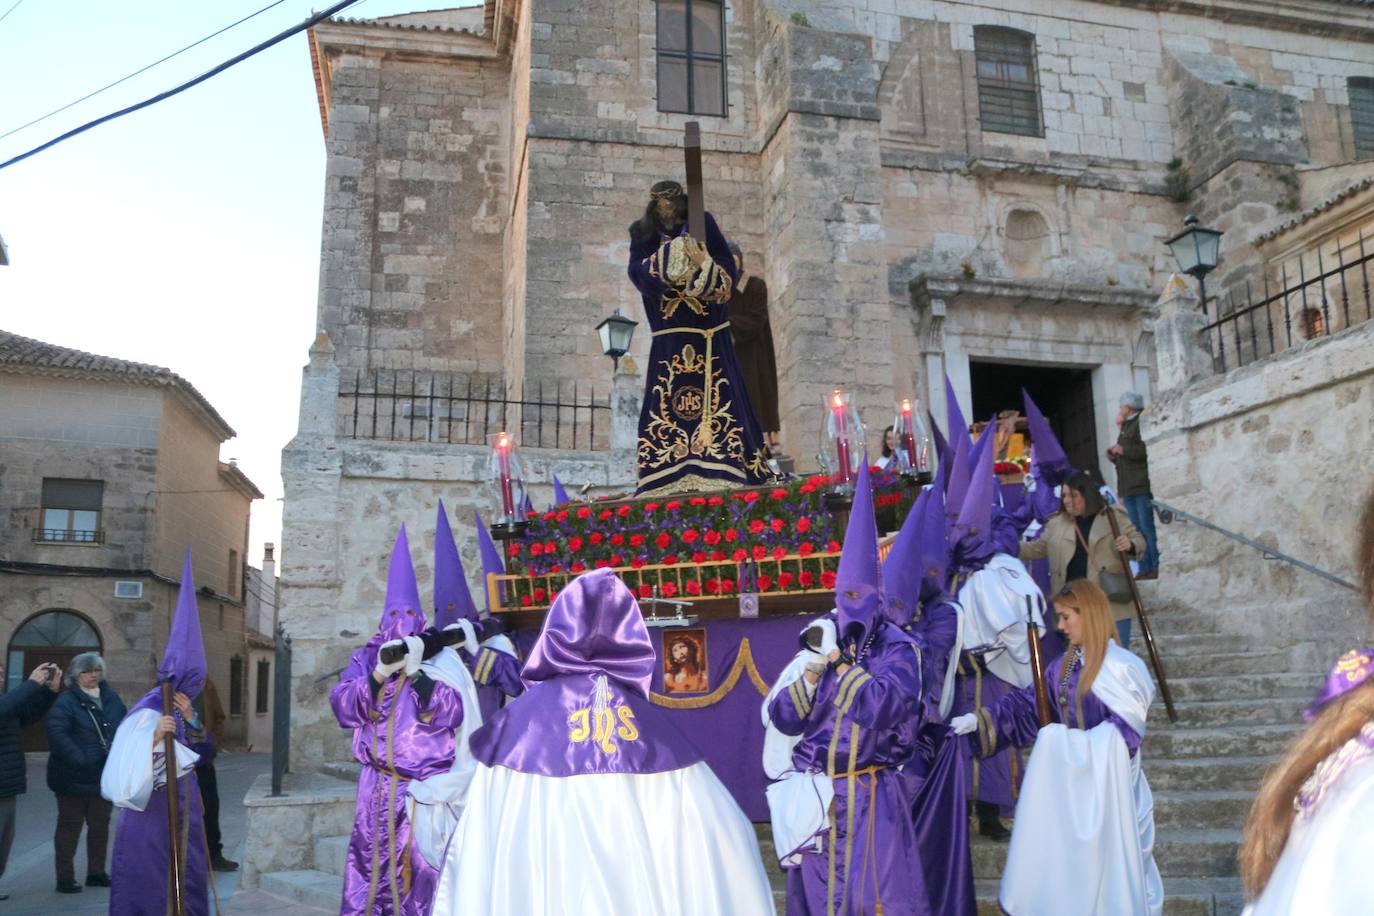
x=55 y=636
x=1065 y=395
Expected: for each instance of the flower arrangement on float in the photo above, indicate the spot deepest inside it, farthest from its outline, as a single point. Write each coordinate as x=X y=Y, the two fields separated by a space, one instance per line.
x=690 y=546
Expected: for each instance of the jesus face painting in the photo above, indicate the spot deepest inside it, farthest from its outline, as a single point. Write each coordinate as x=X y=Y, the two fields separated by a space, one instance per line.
x=684 y=662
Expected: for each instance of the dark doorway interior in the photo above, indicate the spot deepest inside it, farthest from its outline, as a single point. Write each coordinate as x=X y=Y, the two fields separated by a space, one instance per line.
x=1064 y=395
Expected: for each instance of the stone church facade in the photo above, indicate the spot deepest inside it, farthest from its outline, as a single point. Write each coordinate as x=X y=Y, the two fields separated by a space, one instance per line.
x=976 y=189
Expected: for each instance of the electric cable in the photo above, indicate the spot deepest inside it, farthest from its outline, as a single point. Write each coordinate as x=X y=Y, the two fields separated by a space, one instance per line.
x=10 y=10
x=122 y=79
x=214 y=71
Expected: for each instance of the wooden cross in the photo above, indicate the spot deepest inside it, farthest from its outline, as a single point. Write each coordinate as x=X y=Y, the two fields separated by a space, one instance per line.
x=696 y=205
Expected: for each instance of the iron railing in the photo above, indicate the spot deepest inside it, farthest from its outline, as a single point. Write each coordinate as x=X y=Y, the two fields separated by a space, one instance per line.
x=68 y=536
x=400 y=406
x=281 y=711
x=1168 y=513
x=1315 y=294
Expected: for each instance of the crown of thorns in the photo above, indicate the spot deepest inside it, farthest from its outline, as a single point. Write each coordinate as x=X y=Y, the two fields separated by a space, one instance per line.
x=671 y=193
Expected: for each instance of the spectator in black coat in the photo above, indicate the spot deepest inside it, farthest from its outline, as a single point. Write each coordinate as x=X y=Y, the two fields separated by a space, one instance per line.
x=80 y=728
x=24 y=705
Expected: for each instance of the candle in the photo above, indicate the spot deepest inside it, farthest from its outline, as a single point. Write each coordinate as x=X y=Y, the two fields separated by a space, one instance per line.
x=840 y=415
x=908 y=435
x=503 y=456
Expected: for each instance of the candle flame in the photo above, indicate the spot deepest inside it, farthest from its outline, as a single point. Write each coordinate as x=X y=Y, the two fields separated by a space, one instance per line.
x=906 y=406
x=839 y=399
x=501 y=441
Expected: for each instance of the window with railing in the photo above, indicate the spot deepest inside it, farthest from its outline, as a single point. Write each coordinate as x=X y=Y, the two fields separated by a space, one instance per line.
x=1361 y=92
x=264 y=685
x=1008 y=89
x=236 y=675
x=71 y=511
x=691 y=56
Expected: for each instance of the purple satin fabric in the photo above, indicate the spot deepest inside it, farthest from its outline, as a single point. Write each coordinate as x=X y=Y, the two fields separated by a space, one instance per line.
x=395 y=745
x=539 y=733
x=940 y=814
x=1350 y=671
x=935 y=633
x=594 y=627
x=139 y=865
x=994 y=782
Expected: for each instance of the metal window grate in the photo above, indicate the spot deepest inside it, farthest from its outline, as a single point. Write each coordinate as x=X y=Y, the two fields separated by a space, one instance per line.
x=1008 y=90
x=690 y=38
x=1361 y=90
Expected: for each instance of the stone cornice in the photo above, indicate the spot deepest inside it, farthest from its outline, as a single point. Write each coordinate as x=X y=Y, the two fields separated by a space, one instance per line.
x=932 y=292
x=1332 y=18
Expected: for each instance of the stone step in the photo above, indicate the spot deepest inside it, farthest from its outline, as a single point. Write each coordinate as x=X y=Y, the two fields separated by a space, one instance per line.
x=1178 y=853
x=1182 y=897
x=1219 y=664
x=305 y=886
x=330 y=854
x=1275 y=711
x=1206 y=773
x=1243 y=686
x=1180 y=644
x=1194 y=810
x=1164 y=741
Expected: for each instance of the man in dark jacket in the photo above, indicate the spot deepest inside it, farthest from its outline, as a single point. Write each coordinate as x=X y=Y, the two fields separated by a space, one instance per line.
x=1133 y=479
x=24 y=705
x=210 y=712
x=81 y=727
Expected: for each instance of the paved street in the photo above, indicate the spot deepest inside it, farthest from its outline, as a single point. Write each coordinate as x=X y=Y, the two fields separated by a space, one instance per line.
x=29 y=878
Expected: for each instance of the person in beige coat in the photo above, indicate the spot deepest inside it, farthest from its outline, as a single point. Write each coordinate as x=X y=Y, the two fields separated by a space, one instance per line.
x=1079 y=545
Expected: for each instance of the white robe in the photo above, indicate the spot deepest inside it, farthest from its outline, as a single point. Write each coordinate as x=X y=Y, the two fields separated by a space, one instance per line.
x=1325 y=865
x=1083 y=843
x=134 y=767
x=994 y=617
x=660 y=844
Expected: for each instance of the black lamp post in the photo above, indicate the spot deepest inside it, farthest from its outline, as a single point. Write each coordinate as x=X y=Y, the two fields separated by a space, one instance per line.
x=615 y=333
x=1196 y=250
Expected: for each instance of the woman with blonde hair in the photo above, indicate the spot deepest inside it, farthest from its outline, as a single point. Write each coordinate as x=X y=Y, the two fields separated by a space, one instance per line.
x=1308 y=842
x=1084 y=830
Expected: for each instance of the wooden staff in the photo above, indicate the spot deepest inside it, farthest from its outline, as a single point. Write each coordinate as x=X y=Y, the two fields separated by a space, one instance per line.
x=1042 y=690
x=696 y=203
x=169 y=760
x=1155 y=661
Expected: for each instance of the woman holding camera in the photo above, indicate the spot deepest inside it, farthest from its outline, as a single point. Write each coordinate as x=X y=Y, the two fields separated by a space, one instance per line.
x=24 y=705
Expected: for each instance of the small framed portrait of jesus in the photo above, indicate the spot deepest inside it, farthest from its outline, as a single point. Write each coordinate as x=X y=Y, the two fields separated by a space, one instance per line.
x=684 y=661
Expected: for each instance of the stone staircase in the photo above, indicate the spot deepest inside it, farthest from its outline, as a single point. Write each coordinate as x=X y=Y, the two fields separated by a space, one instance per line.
x=320 y=886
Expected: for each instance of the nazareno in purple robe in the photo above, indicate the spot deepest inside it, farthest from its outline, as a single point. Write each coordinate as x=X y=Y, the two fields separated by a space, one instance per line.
x=497 y=676
x=697 y=429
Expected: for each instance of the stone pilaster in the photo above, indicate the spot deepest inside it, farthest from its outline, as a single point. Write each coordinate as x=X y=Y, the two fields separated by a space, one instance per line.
x=1180 y=349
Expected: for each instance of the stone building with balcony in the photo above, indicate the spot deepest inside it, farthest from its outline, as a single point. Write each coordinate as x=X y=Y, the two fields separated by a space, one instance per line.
x=109 y=470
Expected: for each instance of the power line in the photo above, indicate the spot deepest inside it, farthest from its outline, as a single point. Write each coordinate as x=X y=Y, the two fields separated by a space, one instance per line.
x=215 y=71
x=136 y=72
x=11 y=10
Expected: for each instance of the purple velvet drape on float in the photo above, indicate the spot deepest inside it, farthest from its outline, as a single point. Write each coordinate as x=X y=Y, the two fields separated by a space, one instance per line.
x=728 y=734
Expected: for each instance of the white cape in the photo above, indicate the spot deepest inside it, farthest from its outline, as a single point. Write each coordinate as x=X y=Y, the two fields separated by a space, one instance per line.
x=660 y=844
x=1083 y=842
x=994 y=618
x=435 y=804
x=1324 y=867
x=134 y=766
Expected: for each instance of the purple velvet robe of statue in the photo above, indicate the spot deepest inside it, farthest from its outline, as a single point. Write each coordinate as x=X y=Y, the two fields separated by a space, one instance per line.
x=397 y=739
x=139 y=869
x=869 y=718
x=497 y=676
x=1016 y=720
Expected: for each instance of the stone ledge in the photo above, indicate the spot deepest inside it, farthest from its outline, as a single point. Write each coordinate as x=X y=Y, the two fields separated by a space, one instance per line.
x=281 y=830
x=950 y=289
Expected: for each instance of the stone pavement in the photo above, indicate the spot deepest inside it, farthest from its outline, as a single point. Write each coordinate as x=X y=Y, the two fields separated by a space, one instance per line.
x=29 y=877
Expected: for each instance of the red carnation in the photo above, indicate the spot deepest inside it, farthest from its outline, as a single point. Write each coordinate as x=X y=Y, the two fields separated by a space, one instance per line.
x=806 y=488
x=536 y=549
x=750 y=497
x=602 y=564
x=650 y=507
x=717 y=556
x=672 y=504
x=777 y=524
x=550 y=546
x=806 y=549
x=557 y=567
x=584 y=512
x=832 y=546
x=526 y=601
x=669 y=589
x=623 y=511
x=731 y=534
x=713 y=586
x=562 y=516
x=617 y=539
x=760 y=551
x=663 y=539
x=740 y=555
x=596 y=537
x=778 y=494
x=636 y=540
x=693 y=587
x=803 y=525
x=636 y=563
x=712 y=538
x=574 y=543
x=696 y=501
x=605 y=514
x=805 y=579
x=540 y=594
x=670 y=560
x=828 y=579
x=727 y=586
x=690 y=536
x=553 y=596
x=549 y=516
x=779 y=552
x=577 y=566
x=699 y=557
x=617 y=560
x=756 y=526
x=513 y=550
x=715 y=501
x=765 y=582
x=784 y=580
x=645 y=590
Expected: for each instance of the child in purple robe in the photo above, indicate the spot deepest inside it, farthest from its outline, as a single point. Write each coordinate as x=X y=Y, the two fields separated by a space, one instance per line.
x=135 y=779
x=587 y=799
x=1072 y=854
x=857 y=719
x=403 y=731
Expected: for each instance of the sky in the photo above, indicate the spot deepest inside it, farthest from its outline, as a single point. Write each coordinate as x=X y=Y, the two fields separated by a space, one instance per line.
x=187 y=234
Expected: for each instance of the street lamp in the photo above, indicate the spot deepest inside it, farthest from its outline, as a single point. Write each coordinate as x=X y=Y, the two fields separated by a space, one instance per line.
x=1196 y=249
x=615 y=333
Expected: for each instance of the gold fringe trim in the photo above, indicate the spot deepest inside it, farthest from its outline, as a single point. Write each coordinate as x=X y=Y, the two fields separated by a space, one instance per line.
x=744 y=664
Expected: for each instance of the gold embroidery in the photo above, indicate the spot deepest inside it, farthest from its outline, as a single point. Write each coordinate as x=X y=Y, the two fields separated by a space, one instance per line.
x=627 y=728
x=600 y=726
x=581 y=729
x=605 y=730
